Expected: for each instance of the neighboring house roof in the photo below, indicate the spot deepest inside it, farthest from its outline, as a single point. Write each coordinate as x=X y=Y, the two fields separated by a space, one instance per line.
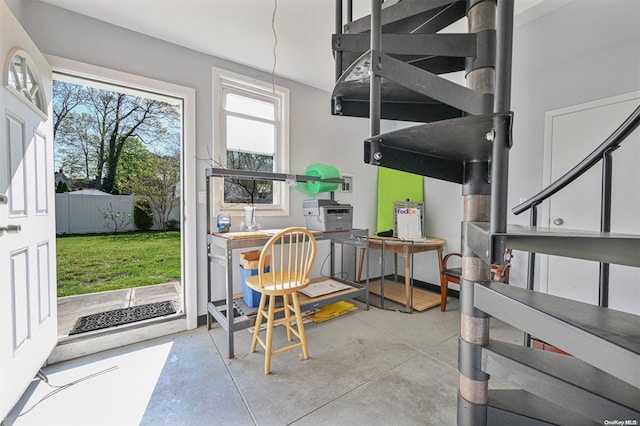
x=83 y=183
x=61 y=177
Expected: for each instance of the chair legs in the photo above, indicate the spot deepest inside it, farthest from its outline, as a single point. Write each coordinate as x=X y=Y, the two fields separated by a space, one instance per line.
x=256 y=331
x=291 y=304
x=444 y=286
x=269 y=343
x=299 y=322
x=287 y=315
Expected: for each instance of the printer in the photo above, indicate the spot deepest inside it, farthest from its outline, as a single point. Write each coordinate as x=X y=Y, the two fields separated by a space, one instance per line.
x=327 y=215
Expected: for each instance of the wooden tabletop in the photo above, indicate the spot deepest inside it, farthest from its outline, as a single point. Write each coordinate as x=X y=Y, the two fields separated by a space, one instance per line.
x=432 y=242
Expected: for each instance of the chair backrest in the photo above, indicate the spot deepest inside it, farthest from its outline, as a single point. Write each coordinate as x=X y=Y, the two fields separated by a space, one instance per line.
x=289 y=255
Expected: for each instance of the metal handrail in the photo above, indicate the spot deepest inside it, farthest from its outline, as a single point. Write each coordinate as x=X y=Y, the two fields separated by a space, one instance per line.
x=611 y=143
x=602 y=152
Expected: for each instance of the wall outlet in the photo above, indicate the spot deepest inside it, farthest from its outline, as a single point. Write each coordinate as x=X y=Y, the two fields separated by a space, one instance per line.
x=347 y=185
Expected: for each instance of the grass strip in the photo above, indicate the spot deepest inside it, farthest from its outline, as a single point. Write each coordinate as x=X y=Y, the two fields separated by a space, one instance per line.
x=102 y=262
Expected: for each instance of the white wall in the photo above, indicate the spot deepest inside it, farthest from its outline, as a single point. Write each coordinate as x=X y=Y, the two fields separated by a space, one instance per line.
x=582 y=51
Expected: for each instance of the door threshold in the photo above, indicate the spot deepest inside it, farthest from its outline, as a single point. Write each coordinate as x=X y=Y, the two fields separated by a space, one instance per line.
x=79 y=345
x=63 y=340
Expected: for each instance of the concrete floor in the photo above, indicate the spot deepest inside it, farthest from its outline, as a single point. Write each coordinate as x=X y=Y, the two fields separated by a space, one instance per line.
x=371 y=367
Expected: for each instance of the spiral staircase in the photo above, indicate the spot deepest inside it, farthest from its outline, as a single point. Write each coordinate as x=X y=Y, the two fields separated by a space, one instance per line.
x=390 y=65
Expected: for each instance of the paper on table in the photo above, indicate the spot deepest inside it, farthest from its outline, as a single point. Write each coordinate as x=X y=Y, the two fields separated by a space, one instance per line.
x=242 y=234
x=323 y=287
x=270 y=231
x=409 y=227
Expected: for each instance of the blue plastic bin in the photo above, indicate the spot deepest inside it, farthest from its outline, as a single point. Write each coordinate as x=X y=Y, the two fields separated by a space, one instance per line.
x=251 y=297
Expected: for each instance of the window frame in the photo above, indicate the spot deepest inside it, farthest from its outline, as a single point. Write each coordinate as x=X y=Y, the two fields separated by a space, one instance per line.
x=33 y=96
x=228 y=82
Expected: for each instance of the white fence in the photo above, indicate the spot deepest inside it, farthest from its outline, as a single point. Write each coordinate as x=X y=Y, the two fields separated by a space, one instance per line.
x=78 y=213
x=81 y=214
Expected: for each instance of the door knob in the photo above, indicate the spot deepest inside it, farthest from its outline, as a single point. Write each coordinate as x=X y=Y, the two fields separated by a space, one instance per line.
x=4 y=199
x=10 y=228
x=558 y=221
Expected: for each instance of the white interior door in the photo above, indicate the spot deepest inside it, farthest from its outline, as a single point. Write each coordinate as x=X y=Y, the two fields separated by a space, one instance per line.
x=573 y=133
x=28 y=330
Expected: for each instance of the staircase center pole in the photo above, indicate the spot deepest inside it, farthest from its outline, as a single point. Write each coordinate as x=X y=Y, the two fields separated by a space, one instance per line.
x=338 y=30
x=376 y=80
x=474 y=324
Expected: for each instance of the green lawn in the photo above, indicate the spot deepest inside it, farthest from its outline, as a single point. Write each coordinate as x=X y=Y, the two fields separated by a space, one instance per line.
x=94 y=263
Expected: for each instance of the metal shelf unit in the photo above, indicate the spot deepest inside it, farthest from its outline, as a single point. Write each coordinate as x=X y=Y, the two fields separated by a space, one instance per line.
x=220 y=252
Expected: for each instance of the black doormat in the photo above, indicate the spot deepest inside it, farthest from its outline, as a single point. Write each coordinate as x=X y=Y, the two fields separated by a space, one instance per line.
x=122 y=316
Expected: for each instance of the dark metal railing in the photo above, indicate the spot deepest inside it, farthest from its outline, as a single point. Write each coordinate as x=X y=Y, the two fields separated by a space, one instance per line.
x=602 y=153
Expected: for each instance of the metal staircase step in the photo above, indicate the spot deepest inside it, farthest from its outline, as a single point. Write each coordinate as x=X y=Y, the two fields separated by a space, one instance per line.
x=351 y=103
x=604 y=338
x=350 y=98
x=405 y=85
x=439 y=64
x=440 y=149
x=413 y=16
x=518 y=407
x=564 y=380
x=412 y=45
x=435 y=53
x=619 y=249
x=433 y=64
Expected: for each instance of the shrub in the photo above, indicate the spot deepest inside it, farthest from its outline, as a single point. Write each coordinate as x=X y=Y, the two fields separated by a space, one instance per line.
x=142 y=215
x=62 y=187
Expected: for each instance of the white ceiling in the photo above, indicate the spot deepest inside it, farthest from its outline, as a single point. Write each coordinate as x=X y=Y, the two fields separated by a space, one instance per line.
x=241 y=30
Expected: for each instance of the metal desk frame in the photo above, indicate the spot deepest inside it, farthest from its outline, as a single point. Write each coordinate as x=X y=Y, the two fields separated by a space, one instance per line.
x=223 y=310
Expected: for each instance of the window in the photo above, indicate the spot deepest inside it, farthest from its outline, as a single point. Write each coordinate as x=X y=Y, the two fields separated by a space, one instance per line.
x=251 y=133
x=21 y=78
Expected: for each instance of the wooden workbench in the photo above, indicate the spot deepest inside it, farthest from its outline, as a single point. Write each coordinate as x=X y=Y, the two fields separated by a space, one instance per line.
x=407 y=249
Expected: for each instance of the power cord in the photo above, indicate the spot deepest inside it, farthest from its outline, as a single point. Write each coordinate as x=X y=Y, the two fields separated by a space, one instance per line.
x=275 y=44
x=41 y=375
x=342 y=275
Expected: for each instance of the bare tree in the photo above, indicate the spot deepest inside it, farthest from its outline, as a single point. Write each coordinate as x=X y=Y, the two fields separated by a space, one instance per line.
x=158 y=183
x=133 y=117
x=66 y=97
x=78 y=146
x=248 y=190
x=117 y=119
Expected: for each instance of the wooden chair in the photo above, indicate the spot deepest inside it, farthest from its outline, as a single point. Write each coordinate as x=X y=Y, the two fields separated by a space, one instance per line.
x=292 y=253
x=452 y=275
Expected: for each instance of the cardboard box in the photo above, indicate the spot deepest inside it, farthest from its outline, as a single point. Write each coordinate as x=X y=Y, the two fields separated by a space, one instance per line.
x=249 y=259
x=249 y=267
